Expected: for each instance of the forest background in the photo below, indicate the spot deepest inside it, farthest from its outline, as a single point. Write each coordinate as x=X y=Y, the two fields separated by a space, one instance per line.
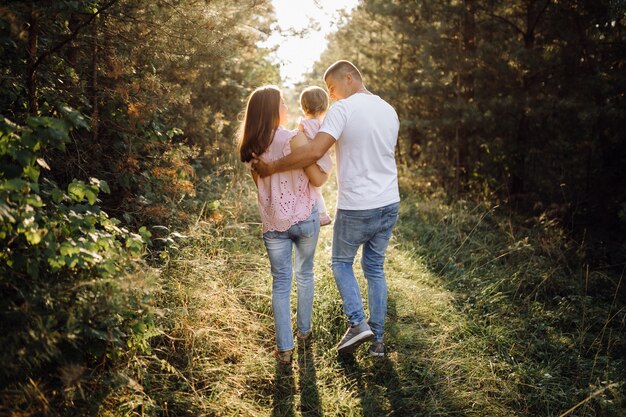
x=117 y=141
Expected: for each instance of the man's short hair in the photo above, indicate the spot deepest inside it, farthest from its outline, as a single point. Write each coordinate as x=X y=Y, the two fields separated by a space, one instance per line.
x=341 y=68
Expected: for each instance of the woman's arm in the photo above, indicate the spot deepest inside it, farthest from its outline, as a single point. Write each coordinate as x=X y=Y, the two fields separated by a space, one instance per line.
x=317 y=177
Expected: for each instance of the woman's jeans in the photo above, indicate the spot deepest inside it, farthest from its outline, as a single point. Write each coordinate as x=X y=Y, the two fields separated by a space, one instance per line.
x=372 y=229
x=303 y=238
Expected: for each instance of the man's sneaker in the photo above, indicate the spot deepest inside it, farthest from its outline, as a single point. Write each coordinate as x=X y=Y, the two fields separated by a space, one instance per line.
x=377 y=349
x=355 y=335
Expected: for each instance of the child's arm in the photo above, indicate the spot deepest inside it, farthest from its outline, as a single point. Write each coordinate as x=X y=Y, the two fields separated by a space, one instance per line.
x=317 y=177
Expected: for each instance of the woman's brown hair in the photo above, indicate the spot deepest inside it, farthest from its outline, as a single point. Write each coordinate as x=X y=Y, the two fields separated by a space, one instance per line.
x=261 y=119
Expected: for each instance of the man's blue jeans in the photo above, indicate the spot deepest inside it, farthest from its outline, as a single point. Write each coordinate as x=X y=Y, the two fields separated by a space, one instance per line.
x=372 y=229
x=303 y=238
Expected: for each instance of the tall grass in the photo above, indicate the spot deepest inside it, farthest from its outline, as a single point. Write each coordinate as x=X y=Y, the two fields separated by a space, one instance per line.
x=546 y=329
x=488 y=316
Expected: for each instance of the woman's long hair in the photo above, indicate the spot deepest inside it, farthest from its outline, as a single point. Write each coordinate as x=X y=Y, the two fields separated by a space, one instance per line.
x=261 y=119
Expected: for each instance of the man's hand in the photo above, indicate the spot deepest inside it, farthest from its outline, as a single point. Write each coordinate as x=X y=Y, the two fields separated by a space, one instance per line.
x=261 y=167
x=298 y=158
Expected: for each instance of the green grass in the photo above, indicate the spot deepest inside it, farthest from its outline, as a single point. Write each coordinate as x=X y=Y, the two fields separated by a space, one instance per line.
x=488 y=316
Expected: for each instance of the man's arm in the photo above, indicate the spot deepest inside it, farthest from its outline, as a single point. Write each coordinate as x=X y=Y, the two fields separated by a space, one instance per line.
x=299 y=158
x=316 y=176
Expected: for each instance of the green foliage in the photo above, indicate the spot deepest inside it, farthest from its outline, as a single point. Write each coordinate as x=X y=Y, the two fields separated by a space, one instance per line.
x=67 y=306
x=520 y=101
x=550 y=325
x=161 y=84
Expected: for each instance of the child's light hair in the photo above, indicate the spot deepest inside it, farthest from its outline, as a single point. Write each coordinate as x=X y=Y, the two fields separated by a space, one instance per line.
x=314 y=101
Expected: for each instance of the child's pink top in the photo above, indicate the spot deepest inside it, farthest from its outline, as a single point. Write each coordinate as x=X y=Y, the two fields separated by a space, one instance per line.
x=285 y=198
x=311 y=127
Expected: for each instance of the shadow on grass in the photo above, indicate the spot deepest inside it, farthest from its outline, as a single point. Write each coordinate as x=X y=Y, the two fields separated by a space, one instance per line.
x=377 y=384
x=403 y=383
x=285 y=386
x=376 y=379
x=284 y=389
x=520 y=303
x=310 y=403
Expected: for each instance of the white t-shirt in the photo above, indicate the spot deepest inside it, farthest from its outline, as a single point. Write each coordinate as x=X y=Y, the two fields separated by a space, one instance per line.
x=366 y=130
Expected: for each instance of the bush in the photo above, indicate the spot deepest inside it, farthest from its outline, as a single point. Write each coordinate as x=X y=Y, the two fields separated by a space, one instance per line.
x=72 y=303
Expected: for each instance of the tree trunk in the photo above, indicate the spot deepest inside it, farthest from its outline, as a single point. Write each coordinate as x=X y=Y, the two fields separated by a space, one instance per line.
x=399 y=69
x=468 y=32
x=465 y=87
x=31 y=59
x=94 y=83
x=519 y=157
x=523 y=143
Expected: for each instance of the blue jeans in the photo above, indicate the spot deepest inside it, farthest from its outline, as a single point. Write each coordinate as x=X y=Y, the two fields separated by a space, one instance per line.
x=303 y=238
x=372 y=229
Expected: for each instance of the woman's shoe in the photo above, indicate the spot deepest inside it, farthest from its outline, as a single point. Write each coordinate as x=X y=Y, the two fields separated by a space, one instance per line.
x=302 y=336
x=284 y=358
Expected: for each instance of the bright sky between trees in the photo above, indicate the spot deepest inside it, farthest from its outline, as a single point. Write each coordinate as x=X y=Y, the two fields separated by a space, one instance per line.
x=297 y=54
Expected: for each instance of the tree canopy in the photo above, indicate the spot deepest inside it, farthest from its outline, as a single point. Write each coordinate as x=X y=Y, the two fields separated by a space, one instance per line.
x=517 y=100
x=109 y=112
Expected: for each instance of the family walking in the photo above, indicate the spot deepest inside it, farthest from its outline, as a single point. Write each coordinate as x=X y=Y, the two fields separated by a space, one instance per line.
x=289 y=166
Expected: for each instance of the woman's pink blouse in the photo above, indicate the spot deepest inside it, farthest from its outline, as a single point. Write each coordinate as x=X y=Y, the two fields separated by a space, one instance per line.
x=285 y=198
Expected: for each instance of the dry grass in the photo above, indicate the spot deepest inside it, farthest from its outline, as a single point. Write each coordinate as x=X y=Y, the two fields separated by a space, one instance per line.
x=467 y=330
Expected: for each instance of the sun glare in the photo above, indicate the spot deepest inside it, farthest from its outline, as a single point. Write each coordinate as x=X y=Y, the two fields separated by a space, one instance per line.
x=304 y=25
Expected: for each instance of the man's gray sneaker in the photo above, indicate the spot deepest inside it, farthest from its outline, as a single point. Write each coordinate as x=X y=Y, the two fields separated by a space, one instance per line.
x=354 y=337
x=377 y=349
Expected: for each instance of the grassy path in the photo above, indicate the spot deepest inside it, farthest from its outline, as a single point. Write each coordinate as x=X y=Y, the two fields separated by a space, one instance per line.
x=445 y=359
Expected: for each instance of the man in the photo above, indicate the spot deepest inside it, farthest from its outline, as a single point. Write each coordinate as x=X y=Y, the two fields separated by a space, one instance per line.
x=365 y=130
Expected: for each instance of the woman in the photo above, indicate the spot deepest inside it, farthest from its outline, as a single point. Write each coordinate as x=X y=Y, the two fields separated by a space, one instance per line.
x=287 y=204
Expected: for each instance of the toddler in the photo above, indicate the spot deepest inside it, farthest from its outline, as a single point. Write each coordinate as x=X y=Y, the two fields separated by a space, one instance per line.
x=314 y=104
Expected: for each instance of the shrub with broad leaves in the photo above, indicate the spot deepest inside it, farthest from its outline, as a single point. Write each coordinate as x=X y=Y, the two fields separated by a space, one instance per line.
x=72 y=298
